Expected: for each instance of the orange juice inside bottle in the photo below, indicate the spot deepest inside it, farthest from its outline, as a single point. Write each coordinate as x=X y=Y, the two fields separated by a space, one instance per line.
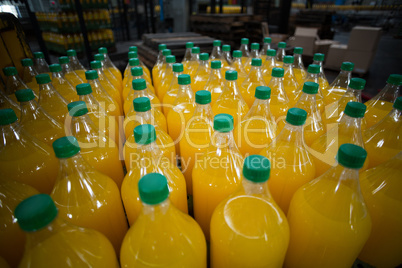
x=29 y=74
x=171 y=93
x=116 y=81
x=66 y=90
x=85 y=196
x=279 y=102
x=76 y=64
x=257 y=129
x=139 y=89
x=161 y=70
x=280 y=54
x=237 y=65
x=216 y=173
x=319 y=60
x=159 y=61
x=339 y=86
x=52 y=242
x=268 y=65
x=380 y=187
x=187 y=54
x=230 y=100
x=227 y=60
x=202 y=74
x=215 y=82
x=253 y=80
x=97 y=149
x=382 y=141
x=254 y=53
x=68 y=72
x=289 y=80
x=197 y=136
x=244 y=50
x=12 y=238
x=249 y=224
x=24 y=158
x=146 y=158
x=216 y=53
x=6 y=102
x=109 y=64
x=133 y=61
x=192 y=65
x=167 y=77
x=328 y=217
x=266 y=45
x=162 y=230
x=298 y=66
x=13 y=82
x=135 y=72
x=292 y=164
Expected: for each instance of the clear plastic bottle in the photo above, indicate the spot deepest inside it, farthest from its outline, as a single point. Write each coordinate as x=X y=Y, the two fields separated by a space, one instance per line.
x=298 y=66
x=192 y=65
x=166 y=70
x=289 y=79
x=279 y=102
x=76 y=64
x=6 y=102
x=216 y=53
x=28 y=76
x=170 y=96
x=40 y=63
x=167 y=77
x=280 y=54
x=266 y=45
x=162 y=236
x=116 y=82
x=254 y=53
x=62 y=85
x=187 y=54
x=68 y=71
x=160 y=63
x=269 y=64
x=318 y=59
x=226 y=57
x=244 y=50
x=330 y=213
x=339 y=86
x=109 y=64
x=237 y=66
x=13 y=82
x=202 y=73
x=215 y=82
x=253 y=80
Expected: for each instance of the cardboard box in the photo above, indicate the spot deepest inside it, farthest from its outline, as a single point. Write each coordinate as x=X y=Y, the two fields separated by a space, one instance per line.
x=305 y=38
x=335 y=56
x=364 y=38
x=361 y=59
x=322 y=46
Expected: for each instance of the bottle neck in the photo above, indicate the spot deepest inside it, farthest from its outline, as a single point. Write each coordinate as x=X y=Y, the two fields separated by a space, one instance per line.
x=184 y=95
x=83 y=124
x=254 y=53
x=28 y=108
x=354 y=94
x=97 y=87
x=216 y=74
x=66 y=68
x=160 y=59
x=256 y=188
x=14 y=83
x=231 y=87
x=187 y=55
x=351 y=127
x=223 y=140
x=100 y=73
x=227 y=57
x=58 y=75
x=204 y=66
x=312 y=77
x=265 y=47
x=260 y=108
x=76 y=64
x=90 y=100
x=144 y=117
x=195 y=56
x=255 y=74
x=348 y=177
x=288 y=68
x=298 y=63
x=216 y=52
x=9 y=134
x=153 y=211
x=244 y=49
x=269 y=61
x=204 y=111
x=291 y=134
x=389 y=93
x=40 y=63
x=280 y=54
x=237 y=63
x=342 y=80
x=278 y=89
x=30 y=70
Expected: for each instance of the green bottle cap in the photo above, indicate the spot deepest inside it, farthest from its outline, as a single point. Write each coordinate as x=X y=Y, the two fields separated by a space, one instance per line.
x=35 y=212
x=313 y=69
x=96 y=64
x=83 y=89
x=278 y=72
x=184 y=79
x=24 y=95
x=189 y=45
x=77 y=108
x=398 y=103
x=395 y=79
x=55 y=68
x=296 y=116
x=298 y=50
x=42 y=79
x=139 y=84
x=195 y=50
x=347 y=66
x=162 y=47
x=319 y=57
x=166 y=52
x=7 y=116
x=71 y=53
x=351 y=156
x=231 y=75
x=9 y=71
x=282 y=45
x=288 y=59
x=223 y=122
x=355 y=109
x=256 y=62
x=64 y=60
x=102 y=50
x=91 y=75
x=144 y=134
x=262 y=93
x=255 y=46
x=99 y=57
x=142 y=104
x=27 y=62
x=134 y=62
x=133 y=49
x=226 y=48
x=256 y=168
x=132 y=54
x=244 y=41
x=170 y=59
x=204 y=56
x=267 y=40
x=237 y=54
x=271 y=52
x=153 y=188
x=310 y=88
x=137 y=71
x=357 y=83
x=178 y=67
x=66 y=147
x=203 y=97
x=39 y=55
x=216 y=64
x=217 y=43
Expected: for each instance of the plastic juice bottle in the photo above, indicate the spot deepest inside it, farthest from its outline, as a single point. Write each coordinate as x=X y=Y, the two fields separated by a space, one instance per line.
x=171 y=93
x=192 y=65
x=159 y=75
x=266 y=45
x=279 y=102
x=97 y=149
x=162 y=236
x=144 y=115
x=257 y=129
x=65 y=89
x=383 y=140
x=216 y=174
x=334 y=112
x=134 y=55
x=51 y=100
x=187 y=54
x=109 y=64
x=253 y=80
x=13 y=82
x=244 y=50
x=68 y=72
x=106 y=85
x=230 y=100
x=159 y=62
x=269 y=64
x=143 y=66
x=116 y=82
x=85 y=196
x=37 y=121
x=347 y=131
x=101 y=95
x=40 y=63
x=201 y=76
x=52 y=242
x=380 y=187
x=339 y=86
x=319 y=60
x=140 y=90
x=167 y=77
x=131 y=55
x=328 y=217
x=6 y=102
x=248 y=229
x=255 y=53
x=216 y=53
x=137 y=73
x=182 y=110
x=197 y=136
x=380 y=105
x=298 y=66
x=24 y=158
x=237 y=66
x=280 y=54
x=289 y=79
x=226 y=58
x=293 y=166
x=215 y=82
x=12 y=238
x=75 y=63
x=29 y=74
x=147 y=158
